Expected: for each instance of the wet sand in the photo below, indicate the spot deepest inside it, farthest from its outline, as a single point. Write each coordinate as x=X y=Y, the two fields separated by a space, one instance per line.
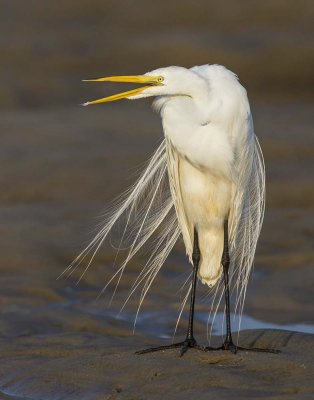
x=98 y=367
x=56 y=342
x=63 y=164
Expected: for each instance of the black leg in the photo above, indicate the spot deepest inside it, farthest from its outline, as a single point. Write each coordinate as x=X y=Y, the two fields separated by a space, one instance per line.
x=225 y=260
x=196 y=256
x=228 y=342
x=189 y=341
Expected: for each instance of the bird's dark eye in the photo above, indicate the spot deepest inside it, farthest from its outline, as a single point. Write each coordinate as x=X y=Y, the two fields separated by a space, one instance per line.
x=160 y=78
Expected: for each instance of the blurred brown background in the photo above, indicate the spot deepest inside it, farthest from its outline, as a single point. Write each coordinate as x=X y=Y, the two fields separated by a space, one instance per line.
x=61 y=163
x=48 y=47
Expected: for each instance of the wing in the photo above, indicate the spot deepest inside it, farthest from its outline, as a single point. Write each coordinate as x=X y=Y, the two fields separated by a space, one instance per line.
x=248 y=199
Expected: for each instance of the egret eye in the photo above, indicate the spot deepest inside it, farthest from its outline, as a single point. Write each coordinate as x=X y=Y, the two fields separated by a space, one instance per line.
x=160 y=79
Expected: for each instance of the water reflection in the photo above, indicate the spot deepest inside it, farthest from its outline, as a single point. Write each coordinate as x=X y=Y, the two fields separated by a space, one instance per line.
x=163 y=326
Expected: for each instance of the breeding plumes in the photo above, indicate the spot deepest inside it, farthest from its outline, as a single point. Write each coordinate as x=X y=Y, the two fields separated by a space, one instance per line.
x=205 y=182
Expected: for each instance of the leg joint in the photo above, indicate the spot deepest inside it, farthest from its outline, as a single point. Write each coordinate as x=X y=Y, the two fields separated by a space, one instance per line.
x=196 y=256
x=225 y=259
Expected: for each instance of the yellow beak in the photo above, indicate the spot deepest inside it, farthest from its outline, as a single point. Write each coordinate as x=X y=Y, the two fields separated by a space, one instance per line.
x=144 y=79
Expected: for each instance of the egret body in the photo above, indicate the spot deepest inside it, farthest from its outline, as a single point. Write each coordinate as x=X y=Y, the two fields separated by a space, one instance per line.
x=214 y=168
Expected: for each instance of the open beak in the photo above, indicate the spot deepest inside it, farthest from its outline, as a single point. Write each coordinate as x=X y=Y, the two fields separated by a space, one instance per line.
x=142 y=79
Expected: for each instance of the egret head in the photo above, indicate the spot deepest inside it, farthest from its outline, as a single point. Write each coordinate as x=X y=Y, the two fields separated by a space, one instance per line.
x=169 y=81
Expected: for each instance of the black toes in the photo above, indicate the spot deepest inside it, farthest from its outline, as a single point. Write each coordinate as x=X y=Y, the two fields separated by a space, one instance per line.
x=230 y=346
x=192 y=344
x=187 y=344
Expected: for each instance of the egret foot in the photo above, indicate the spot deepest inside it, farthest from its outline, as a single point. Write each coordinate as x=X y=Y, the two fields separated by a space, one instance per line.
x=188 y=343
x=229 y=345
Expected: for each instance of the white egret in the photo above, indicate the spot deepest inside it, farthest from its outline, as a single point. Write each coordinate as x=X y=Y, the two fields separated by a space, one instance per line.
x=211 y=161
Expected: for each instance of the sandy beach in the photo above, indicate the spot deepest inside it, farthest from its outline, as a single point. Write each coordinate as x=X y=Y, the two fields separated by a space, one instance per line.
x=62 y=165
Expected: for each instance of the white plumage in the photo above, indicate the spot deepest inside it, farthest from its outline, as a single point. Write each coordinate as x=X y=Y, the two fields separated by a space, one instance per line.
x=209 y=168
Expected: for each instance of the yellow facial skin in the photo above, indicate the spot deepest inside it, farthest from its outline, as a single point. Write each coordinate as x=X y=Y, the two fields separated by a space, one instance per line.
x=143 y=79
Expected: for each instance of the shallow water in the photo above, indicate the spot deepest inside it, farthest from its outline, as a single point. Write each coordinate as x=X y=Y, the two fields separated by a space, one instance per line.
x=216 y=327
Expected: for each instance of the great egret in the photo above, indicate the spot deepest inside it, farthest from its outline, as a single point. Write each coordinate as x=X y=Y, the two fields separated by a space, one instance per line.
x=212 y=162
